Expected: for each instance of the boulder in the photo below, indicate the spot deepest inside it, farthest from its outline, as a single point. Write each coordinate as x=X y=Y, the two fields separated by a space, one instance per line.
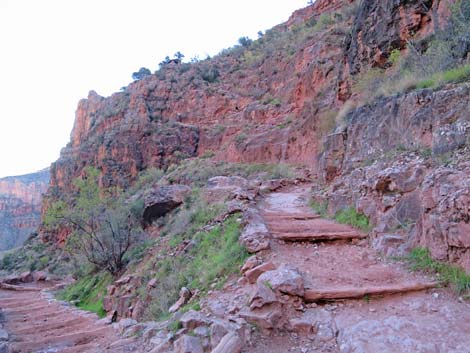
x=188 y=344
x=250 y=263
x=318 y=322
x=227 y=182
x=253 y=274
x=230 y=343
x=217 y=331
x=185 y=295
x=125 y=324
x=268 y=317
x=230 y=187
x=193 y=319
x=160 y=200
x=26 y=277
x=39 y=276
x=284 y=280
x=255 y=236
x=262 y=296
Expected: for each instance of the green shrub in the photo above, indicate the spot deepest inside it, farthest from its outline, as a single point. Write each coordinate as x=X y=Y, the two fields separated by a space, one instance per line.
x=209 y=74
x=350 y=216
x=458 y=74
x=394 y=57
x=325 y=20
x=426 y=83
x=105 y=227
x=420 y=259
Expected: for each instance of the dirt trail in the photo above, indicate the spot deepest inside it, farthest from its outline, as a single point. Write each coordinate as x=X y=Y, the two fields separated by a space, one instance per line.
x=361 y=302
x=38 y=323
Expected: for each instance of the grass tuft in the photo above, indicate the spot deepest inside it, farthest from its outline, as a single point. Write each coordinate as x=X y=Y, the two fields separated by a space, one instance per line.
x=88 y=293
x=420 y=260
x=350 y=216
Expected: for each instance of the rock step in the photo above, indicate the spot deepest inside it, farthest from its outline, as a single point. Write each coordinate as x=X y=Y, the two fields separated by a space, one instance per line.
x=350 y=292
x=69 y=340
x=318 y=236
x=273 y=216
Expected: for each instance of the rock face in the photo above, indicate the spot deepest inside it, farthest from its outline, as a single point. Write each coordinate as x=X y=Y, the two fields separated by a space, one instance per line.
x=371 y=41
x=404 y=162
x=20 y=206
x=437 y=121
x=382 y=26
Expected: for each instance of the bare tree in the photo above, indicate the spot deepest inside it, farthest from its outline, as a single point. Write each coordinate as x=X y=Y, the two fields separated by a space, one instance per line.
x=104 y=227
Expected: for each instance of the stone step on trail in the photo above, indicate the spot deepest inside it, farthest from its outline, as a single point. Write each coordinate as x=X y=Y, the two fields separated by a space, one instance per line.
x=314 y=229
x=318 y=236
x=409 y=312
x=351 y=292
x=280 y=216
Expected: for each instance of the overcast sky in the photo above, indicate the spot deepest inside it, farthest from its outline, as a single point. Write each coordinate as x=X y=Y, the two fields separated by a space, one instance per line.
x=54 y=51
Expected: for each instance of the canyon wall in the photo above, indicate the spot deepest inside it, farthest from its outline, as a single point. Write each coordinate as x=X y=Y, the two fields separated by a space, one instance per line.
x=20 y=206
x=277 y=100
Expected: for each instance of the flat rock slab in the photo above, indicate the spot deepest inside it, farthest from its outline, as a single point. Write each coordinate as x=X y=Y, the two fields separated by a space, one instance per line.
x=351 y=292
x=280 y=216
x=318 y=236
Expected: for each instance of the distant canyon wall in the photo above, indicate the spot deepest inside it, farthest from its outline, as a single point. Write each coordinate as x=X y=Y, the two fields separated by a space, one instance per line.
x=20 y=207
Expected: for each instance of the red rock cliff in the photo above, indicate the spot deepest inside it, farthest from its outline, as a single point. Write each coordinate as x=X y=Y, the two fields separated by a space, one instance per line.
x=273 y=100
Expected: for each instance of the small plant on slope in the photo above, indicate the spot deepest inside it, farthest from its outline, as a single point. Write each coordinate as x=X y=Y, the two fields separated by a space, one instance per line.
x=350 y=216
x=420 y=260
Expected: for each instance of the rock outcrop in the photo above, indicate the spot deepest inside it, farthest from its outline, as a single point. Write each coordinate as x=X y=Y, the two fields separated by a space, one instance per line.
x=404 y=162
x=20 y=207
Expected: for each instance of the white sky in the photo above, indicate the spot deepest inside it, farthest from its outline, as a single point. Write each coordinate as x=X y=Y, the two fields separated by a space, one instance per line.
x=52 y=52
